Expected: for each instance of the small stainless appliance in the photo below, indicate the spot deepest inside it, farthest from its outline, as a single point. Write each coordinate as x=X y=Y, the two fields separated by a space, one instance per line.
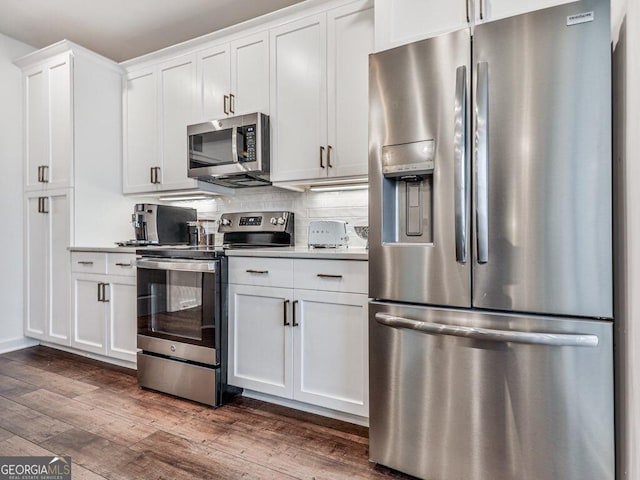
x=231 y=152
x=327 y=234
x=161 y=224
x=182 y=308
x=490 y=266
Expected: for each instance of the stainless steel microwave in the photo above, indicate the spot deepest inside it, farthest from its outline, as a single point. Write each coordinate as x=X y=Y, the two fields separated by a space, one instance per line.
x=232 y=152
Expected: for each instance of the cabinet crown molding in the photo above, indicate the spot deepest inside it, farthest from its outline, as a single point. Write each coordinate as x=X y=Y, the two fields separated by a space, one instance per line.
x=61 y=47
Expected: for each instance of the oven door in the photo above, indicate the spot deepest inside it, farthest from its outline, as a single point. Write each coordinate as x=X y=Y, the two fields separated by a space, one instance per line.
x=179 y=307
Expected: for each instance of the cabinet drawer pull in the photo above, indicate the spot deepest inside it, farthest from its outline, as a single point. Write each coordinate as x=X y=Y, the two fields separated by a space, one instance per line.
x=293 y=308
x=123 y=264
x=327 y=275
x=286 y=321
x=84 y=262
x=264 y=272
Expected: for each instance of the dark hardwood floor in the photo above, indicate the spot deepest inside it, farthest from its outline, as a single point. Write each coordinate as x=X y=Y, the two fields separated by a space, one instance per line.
x=52 y=402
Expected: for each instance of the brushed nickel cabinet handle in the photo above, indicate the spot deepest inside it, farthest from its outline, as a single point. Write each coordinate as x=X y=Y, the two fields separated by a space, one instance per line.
x=39 y=173
x=327 y=275
x=329 y=148
x=85 y=262
x=99 y=292
x=225 y=101
x=45 y=174
x=264 y=272
x=104 y=293
x=321 y=155
x=232 y=103
x=45 y=204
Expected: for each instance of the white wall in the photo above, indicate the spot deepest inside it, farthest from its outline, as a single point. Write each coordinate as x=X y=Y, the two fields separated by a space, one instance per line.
x=11 y=213
x=350 y=206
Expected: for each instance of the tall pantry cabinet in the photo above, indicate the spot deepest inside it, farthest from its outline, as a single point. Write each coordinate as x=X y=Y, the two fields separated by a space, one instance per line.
x=72 y=158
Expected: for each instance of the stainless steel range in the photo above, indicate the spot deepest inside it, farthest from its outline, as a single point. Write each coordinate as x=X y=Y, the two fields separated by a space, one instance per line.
x=182 y=308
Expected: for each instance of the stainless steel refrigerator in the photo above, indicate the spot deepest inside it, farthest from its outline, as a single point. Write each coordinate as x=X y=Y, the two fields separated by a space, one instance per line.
x=491 y=351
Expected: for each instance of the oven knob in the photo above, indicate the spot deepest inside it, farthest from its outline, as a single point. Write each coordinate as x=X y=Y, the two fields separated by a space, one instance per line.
x=273 y=221
x=280 y=221
x=225 y=222
x=173 y=348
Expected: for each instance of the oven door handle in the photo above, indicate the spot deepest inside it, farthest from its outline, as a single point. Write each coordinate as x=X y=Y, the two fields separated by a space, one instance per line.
x=181 y=265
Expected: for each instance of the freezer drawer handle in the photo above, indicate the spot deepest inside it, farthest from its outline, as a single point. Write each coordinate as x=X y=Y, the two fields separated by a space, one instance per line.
x=530 y=338
x=460 y=164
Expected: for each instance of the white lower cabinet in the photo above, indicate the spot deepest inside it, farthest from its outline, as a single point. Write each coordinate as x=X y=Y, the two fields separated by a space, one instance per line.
x=104 y=306
x=309 y=345
x=260 y=344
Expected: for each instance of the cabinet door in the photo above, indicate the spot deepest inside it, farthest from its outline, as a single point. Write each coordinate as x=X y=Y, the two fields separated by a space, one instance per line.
x=299 y=100
x=487 y=10
x=404 y=21
x=141 y=132
x=260 y=350
x=49 y=123
x=250 y=74
x=89 y=329
x=331 y=360
x=178 y=88
x=36 y=284
x=214 y=82
x=48 y=266
x=122 y=320
x=61 y=122
x=350 y=41
x=59 y=274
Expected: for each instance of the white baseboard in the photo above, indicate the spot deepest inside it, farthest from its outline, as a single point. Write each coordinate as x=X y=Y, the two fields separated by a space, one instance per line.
x=14 y=344
x=305 y=407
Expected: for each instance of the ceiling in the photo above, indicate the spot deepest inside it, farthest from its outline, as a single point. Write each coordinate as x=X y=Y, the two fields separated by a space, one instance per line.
x=124 y=29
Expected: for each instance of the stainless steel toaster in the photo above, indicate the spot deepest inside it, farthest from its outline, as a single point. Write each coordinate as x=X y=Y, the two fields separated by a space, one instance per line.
x=328 y=234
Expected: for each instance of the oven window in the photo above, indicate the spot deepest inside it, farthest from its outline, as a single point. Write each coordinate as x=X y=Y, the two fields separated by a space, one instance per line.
x=177 y=305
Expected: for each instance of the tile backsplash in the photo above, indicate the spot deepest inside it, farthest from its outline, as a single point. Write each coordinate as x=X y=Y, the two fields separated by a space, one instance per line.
x=350 y=206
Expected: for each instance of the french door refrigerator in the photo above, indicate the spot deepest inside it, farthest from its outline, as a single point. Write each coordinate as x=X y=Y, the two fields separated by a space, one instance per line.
x=491 y=320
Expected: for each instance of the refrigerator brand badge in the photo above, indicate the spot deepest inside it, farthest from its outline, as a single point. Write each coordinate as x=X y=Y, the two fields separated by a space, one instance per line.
x=580 y=18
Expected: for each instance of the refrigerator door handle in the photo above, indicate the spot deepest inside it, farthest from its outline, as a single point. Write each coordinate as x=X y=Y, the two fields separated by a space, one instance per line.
x=503 y=336
x=460 y=164
x=482 y=162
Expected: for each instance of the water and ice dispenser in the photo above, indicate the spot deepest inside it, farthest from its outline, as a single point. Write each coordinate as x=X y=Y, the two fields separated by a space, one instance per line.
x=408 y=192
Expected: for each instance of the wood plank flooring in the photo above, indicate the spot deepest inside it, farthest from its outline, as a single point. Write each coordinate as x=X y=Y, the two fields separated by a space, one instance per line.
x=52 y=402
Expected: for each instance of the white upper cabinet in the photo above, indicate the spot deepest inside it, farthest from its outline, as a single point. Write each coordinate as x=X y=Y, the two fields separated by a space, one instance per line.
x=487 y=10
x=141 y=153
x=48 y=121
x=404 y=21
x=214 y=80
x=319 y=95
x=233 y=78
x=298 y=100
x=160 y=102
x=177 y=102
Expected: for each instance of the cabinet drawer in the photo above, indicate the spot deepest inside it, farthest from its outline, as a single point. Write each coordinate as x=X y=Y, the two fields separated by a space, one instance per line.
x=89 y=262
x=268 y=272
x=332 y=275
x=121 y=264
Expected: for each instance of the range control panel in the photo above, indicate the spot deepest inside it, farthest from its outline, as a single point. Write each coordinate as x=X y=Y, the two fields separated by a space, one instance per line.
x=280 y=221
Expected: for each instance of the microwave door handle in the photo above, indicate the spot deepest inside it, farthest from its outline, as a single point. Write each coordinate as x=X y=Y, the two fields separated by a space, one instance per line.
x=234 y=144
x=460 y=164
x=482 y=158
